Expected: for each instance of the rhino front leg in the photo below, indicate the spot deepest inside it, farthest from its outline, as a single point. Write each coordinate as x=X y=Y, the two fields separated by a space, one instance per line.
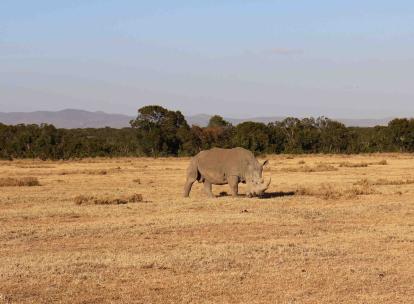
x=207 y=189
x=234 y=185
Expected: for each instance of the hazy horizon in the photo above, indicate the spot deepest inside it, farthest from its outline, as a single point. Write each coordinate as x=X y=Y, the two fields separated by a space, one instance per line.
x=208 y=114
x=239 y=59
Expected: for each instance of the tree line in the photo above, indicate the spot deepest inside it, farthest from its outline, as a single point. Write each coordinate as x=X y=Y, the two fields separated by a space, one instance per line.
x=160 y=132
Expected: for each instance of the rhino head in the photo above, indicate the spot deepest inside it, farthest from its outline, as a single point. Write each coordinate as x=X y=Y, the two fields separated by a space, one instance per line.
x=256 y=183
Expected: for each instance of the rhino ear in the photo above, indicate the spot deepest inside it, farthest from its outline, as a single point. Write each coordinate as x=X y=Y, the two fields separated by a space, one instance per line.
x=266 y=162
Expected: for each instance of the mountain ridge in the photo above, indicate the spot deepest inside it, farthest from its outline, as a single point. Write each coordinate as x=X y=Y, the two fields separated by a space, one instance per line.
x=76 y=118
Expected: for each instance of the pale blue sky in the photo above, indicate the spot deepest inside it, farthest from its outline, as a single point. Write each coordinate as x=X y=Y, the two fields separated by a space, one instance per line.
x=348 y=59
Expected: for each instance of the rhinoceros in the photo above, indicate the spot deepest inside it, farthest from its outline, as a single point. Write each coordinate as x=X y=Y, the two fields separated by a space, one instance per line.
x=226 y=166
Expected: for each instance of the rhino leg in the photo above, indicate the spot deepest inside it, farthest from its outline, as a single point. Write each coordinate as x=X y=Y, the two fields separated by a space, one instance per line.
x=233 y=182
x=207 y=189
x=188 y=184
x=192 y=174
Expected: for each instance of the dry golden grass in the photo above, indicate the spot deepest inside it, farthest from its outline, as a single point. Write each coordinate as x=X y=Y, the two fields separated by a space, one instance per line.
x=353 y=165
x=107 y=200
x=346 y=237
x=19 y=182
x=331 y=192
x=320 y=167
x=384 y=182
x=348 y=164
x=90 y=172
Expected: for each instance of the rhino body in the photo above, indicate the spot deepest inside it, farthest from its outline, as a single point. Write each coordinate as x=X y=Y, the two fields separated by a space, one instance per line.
x=226 y=166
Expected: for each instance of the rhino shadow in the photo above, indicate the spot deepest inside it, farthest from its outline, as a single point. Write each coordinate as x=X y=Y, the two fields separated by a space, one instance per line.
x=268 y=195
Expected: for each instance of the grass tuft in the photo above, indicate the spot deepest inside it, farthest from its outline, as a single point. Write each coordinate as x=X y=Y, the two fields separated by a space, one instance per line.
x=353 y=165
x=19 y=182
x=321 y=167
x=383 y=162
x=137 y=180
x=384 y=182
x=363 y=164
x=331 y=192
x=107 y=200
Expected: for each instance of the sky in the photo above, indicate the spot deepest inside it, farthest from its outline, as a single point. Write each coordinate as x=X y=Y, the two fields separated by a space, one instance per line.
x=236 y=58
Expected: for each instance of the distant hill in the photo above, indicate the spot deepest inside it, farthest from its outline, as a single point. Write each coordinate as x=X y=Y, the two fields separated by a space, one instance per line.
x=72 y=118
x=68 y=118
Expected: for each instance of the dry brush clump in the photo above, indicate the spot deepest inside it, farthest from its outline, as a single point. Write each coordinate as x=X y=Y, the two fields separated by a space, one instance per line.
x=321 y=167
x=97 y=172
x=35 y=166
x=332 y=192
x=353 y=165
x=384 y=182
x=362 y=164
x=91 y=171
x=19 y=182
x=137 y=181
x=107 y=200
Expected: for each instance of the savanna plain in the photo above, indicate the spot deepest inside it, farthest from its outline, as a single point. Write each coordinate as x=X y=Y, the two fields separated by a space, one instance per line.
x=330 y=229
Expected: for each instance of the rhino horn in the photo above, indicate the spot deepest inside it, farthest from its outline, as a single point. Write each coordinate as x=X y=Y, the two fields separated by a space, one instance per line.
x=268 y=184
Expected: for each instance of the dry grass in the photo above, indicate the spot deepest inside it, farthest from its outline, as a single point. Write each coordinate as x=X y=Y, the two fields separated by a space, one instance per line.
x=333 y=192
x=353 y=165
x=348 y=164
x=19 y=182
x=85 y=200
x=91 y=171
x=383 y=162
x=384 y=182
x=347 y=236
x=321 y=167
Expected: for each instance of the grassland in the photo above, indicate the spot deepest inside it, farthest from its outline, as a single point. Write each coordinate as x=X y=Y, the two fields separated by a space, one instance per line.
x=331 y=229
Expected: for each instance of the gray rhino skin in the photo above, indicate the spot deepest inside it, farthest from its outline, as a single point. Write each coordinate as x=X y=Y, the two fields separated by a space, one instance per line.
x=226 y=166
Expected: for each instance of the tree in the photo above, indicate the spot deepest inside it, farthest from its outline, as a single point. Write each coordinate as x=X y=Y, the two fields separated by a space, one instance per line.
x=253 y=136
x=291 y=127
x=402 y=133
x=218 y=121
x=334 y=136
x=161 y=132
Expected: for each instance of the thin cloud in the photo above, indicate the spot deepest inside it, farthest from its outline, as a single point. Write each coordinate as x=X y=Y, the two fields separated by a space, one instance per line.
x=285 y=51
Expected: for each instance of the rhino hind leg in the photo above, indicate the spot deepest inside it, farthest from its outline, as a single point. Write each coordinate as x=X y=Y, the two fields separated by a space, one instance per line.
x=192 y=176
x=208 y=188
x=233 y=182
x=188 y=184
